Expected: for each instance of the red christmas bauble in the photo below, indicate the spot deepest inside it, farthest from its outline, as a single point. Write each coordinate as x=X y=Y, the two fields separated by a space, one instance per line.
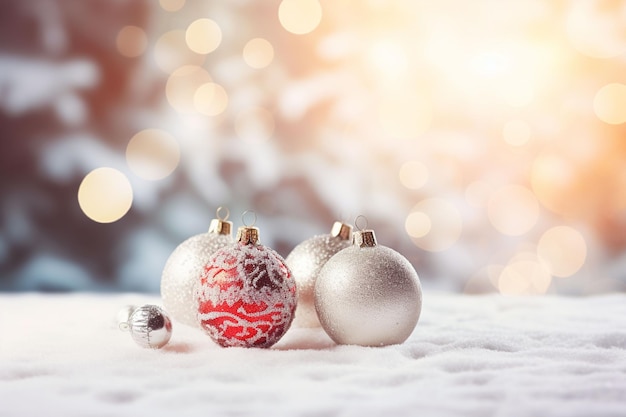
x=246 y=296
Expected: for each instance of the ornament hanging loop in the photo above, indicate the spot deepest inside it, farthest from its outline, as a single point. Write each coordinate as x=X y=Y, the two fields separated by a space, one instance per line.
x=224 y=217
x=363 y=220
x=248 y=234
x=243 y=218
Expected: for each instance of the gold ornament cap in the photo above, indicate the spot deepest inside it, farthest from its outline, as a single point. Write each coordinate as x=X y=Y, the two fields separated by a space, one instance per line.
x=341 y=230
x=221 y=225
x=248 y=235
x=364 y=239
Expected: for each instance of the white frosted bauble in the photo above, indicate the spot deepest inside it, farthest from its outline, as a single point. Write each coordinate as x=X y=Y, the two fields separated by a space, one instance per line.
x=305 y=262
x=368 y=295
x=183 y=268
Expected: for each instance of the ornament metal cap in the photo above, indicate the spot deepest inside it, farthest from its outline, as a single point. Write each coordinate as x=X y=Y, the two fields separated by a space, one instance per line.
x=248 y=235
x=220 y=227
x=364 y=238
x=341 y=230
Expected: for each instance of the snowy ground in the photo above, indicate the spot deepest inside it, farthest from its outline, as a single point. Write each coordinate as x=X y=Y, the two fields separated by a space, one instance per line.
x=62 y=355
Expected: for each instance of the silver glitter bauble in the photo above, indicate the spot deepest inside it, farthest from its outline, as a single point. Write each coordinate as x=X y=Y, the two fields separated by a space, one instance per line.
x=368 y=295
x=305 y=262
x=149 y=326
x=185 y=266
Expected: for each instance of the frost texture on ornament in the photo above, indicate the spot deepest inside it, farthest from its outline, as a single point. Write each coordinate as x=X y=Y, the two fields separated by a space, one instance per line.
x=183 y=269
x=246 y=296
x=305 y=261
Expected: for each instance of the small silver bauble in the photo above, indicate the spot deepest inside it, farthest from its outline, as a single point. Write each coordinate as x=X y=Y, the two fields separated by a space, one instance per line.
x=305 y=262
x=368 y=295
x=185 y=266
x=150 y=326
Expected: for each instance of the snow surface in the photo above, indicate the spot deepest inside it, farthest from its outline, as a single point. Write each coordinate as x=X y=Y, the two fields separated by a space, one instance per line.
x=62 y=355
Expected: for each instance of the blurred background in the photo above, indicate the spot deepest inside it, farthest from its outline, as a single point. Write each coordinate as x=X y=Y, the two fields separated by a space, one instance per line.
x=485 y=141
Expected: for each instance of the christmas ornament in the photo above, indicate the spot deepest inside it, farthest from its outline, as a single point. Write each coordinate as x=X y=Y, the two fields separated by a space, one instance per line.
x=246 y=296
x=150 y=326
x=305 y=262
x=368 y=294
x=185 y=265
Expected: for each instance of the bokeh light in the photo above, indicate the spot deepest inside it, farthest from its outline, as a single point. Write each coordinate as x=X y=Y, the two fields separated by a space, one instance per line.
x=258 y=53
x=171 y=52
x=210 y=99
x=479 y=126
x=434 y=224
x=131 y=41
x=524 y=277
x=172 y=5
x=609 y=103
x=105 y=195
x=300 y=16
x=516 y=132
x=413 y=175
x=563 y=250
x=203 y=36
x=513 y=210
x=182 y=85
x=254 y=124
x=417 y=224
x=152 y=154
